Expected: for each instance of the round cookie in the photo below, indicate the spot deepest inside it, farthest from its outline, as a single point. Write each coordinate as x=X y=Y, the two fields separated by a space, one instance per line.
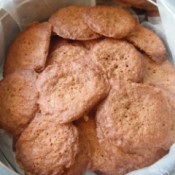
x=110 y=21
x=135 y=116
x=162 y=76
x=69 y=90
x=18 y=99
x=69 y=23
x=148 y=42
x=66 y=53
x=47 y=147
x=119 y=59
x=29 y=49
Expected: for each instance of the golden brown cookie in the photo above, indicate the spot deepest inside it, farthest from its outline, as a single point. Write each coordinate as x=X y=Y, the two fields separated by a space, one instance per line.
x=119 y=59
x=47 y=147
x=69 y=23
x=69 y=90
x=135 y=116
x=110 y=21
x=133 y=121
x=29 y=49
x=148 y=42
x=66 y=53
x=18 y=99
x=162 y=76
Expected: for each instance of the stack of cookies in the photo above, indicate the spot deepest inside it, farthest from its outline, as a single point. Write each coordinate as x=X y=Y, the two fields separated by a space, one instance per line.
x=91 y=89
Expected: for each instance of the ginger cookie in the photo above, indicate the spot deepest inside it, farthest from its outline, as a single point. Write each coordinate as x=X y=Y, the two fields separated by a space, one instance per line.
x=119 y=59
x=69 y=23
x=18 y=99
x=29 y=49
x=47 y=147
x=133 y=121
x=140 y=109
x=148 y=42
x=69 y=90
x=110 y=21
x=162 y=76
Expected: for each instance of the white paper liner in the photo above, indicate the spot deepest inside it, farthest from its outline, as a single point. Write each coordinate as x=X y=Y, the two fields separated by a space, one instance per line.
x=15 y=15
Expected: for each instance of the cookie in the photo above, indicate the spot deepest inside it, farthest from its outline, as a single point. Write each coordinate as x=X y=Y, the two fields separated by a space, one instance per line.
x=69 y=90
x=47 y=147
x=162 y=76
x=140 y=109
x=66 y=53
x=29 y=49
x=148 y=42
x=110 y=21
x=69 y=23
x=18 y=99
x=119 y=59
x=136 y=122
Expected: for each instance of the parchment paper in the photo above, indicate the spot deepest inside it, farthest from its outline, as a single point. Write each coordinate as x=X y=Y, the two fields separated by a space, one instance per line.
x=15 y=15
